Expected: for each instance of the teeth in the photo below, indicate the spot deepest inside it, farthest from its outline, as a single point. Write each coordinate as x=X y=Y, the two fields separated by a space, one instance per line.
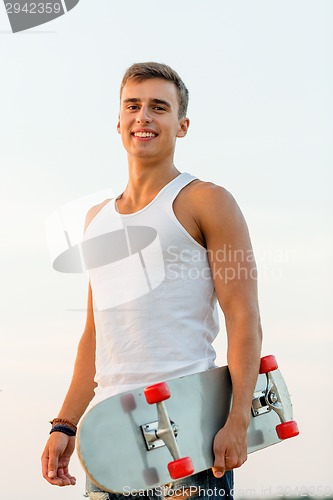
x=144 y=134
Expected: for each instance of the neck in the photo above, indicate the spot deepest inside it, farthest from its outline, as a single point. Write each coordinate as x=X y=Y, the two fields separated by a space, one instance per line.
x=145 y=180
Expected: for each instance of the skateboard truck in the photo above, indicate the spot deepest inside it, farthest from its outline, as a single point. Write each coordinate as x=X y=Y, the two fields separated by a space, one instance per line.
x=270 y=399
x=163 y=432
x=152 y=434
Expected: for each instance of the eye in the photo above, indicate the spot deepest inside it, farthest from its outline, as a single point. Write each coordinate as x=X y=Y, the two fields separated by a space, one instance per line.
x=159 y=108
x=133 y=107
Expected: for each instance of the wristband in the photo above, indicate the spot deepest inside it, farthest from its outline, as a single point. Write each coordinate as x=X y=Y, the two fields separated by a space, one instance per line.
x=63 y=421
x=64 y=429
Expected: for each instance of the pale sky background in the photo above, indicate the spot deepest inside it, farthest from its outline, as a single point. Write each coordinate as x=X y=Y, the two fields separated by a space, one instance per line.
x=260 y=79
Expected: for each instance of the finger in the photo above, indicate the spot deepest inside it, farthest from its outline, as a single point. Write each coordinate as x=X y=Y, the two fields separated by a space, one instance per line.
x=52 y=470
x=64 y=474
x=58 y=481
x=49 y=475
x=61 y=480
x=218 y=472
x=45 y=461
x=219 y=466
x=69 y=476
x=235 y=461
x=55 y=473
x=57 y=464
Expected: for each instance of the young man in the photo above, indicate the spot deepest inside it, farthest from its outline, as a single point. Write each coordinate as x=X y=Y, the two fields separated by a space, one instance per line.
x=138 y=335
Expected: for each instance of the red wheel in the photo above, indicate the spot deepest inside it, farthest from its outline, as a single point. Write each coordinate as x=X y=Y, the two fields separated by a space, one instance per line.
x=287 y=430
x=181 y=468
x=157 y=393
x=268 y=364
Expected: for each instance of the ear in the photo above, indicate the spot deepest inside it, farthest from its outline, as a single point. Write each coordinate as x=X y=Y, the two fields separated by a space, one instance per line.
x=118 y=125
x=184 y=124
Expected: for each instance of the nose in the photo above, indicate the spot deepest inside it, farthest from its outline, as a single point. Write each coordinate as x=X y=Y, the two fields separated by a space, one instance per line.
x=143 y=116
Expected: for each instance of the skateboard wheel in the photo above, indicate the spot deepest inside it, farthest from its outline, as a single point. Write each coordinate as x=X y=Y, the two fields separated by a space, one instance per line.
x=157 y=393
x=268 y=364
x=287 y=430
x=181 y=468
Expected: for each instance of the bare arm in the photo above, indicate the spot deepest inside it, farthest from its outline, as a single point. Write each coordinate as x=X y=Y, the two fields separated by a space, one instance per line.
x=59 y=447
x=235 y=278
x=81 y=390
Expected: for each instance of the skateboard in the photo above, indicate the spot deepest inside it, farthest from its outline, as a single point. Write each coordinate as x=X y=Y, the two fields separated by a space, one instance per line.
x=147 y=437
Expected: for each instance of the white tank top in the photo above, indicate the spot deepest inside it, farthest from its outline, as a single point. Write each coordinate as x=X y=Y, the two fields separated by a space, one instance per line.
x=153 y=294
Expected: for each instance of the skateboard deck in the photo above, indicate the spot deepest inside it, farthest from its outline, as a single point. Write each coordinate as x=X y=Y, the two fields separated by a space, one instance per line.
x=127 y=441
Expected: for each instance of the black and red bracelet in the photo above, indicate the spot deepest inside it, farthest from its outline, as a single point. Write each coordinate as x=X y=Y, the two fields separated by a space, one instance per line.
x=64 y=421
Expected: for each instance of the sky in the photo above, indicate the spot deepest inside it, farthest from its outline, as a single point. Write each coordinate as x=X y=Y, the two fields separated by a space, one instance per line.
x=260 y=79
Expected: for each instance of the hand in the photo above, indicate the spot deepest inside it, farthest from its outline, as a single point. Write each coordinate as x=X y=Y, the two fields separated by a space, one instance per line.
x=230 y=447
x=55 y=459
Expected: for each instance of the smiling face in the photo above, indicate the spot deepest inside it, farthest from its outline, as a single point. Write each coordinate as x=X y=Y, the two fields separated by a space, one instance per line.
x=148 y=119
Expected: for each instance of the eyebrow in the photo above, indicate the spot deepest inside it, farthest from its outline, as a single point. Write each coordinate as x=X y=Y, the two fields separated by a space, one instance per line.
x=154 y=101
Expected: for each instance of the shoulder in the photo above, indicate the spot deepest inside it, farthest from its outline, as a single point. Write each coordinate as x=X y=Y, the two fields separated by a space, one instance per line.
x=93 y=211
x=208 y=197
x=210 y=191
x=214 y=206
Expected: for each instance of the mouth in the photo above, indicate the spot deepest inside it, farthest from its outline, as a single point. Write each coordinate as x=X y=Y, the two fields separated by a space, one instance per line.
x=143 y=134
